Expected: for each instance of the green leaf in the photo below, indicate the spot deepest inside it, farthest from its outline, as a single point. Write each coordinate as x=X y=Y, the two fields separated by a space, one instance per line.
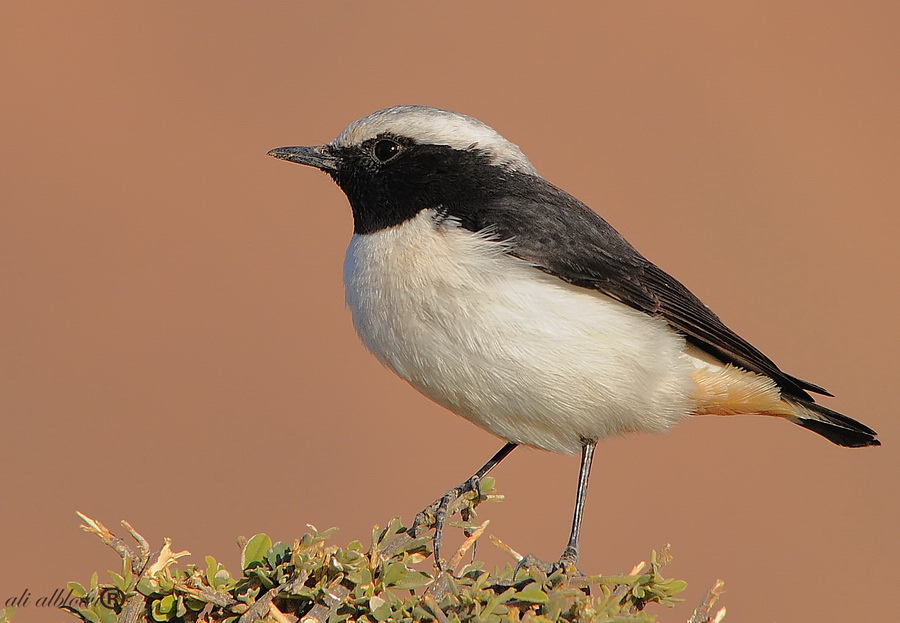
x=532 y=594
x=379 y=607
x=194 y=604
x=89 y=615
x=413 y=579
x=393 y=573
x=222 y=579
x=77 y=589
x=147 y=586
x=277 y=554
x=255 y=550
x=167 y=603
x=212 y=568
x=108 y=616
x=118 y=581
x=676 y=586
x=157 y=613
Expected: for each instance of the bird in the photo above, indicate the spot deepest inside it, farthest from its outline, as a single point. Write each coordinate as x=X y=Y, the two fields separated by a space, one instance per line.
x=514 y=305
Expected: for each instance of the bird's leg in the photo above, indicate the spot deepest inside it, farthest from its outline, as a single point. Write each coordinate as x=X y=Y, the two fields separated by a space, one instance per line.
x=438 y=508
x=570 y=554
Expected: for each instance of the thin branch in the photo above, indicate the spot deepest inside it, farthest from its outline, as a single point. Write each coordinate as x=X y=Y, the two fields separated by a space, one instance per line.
x=110 y=539
x=703 y=613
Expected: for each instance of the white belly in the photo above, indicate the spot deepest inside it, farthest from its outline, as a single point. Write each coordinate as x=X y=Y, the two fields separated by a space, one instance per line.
x=518 y=352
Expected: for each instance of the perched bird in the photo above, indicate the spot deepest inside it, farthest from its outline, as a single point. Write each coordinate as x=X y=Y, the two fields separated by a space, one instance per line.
x=508 y=301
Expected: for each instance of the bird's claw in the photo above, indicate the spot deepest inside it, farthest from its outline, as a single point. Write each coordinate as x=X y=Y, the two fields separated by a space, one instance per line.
x=435 y=514
x=565 y=564
x=530 y=561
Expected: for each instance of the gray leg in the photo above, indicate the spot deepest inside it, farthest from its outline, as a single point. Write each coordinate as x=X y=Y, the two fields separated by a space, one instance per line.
x=570 y=554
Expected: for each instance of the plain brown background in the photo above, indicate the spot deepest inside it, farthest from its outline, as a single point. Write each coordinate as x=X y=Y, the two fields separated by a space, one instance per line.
x=175 y=346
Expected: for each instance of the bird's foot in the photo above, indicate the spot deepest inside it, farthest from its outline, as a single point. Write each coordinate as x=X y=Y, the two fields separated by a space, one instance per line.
x=435 y=514
x=565 y=564
x=530 y=561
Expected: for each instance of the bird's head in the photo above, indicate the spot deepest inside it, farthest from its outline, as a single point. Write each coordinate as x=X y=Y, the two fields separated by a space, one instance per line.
x=398 y=161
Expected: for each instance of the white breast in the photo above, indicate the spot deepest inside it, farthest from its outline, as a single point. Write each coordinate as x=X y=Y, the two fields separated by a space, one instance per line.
x=528 y=357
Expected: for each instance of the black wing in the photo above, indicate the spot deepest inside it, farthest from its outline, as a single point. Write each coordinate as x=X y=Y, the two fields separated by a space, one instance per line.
x=562 y=236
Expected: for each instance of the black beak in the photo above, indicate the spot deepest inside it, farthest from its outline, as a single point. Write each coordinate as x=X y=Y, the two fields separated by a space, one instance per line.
x=317 y=156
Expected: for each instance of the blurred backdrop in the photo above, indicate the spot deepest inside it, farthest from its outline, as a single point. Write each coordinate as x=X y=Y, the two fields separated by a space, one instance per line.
x=175 y=347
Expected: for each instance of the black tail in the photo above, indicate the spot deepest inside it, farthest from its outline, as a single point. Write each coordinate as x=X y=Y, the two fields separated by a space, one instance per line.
x=833 y=426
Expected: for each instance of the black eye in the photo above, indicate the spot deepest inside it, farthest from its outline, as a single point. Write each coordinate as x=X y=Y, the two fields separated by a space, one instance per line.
x=386 y=149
